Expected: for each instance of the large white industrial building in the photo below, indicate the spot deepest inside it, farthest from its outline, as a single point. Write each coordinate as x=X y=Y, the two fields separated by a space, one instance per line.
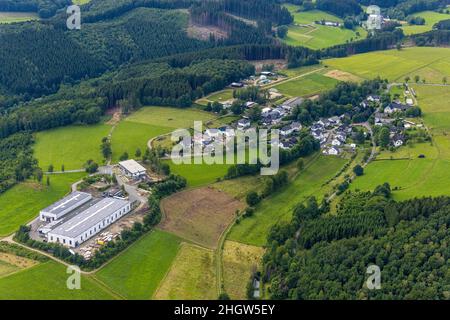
x=89 y=222
x=132 y=168
x=64 y=206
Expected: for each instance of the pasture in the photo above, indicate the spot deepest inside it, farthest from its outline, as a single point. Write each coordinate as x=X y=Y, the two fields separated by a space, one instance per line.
x=278 y=207
x=239 y=261
x=22 y=203
x=174 y=118
x=191 y=276
x=10 y=17
x=430 y=63
x=199 y=215
x=306 y=86
x=47 y=281
x=304 y=32
x=128 y=136
x=199 y=174
x=70 y=146
x=431 y=18
x=137 y=272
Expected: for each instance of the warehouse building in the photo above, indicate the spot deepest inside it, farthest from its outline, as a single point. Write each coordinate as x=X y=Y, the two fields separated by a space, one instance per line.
x=89 y=222
x=59 y=209
x=132 y=169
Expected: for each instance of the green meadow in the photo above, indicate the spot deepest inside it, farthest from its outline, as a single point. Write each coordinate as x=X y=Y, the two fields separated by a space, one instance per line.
x=71 y=146
x=137 y=272
x=47 y=281
x=430 y=63
x=278 y=207
x=317 y=36
x=23 y=202
x=199 y=174
x=174 y=118
x=308 y=85
x=431 y=18
x=10 y=17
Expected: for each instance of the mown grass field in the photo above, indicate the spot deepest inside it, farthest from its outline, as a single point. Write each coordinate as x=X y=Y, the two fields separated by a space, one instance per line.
x=10 y=17
x=137 y=272
x=430 y=63
x=23 y=202
x=47 y=281
x=305 y=86
x=199 y=174
x=174 y=118
x=318 y=36
x=128 y=136
x=239 y=261
x=431 y=18
x=416 y=177
x=278 y=207
x=70 y=146
x=191 y=276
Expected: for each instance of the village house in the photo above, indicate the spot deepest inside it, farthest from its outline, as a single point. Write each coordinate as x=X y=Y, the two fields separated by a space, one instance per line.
x=398 y=140
x=243 y=124
x=395 y=107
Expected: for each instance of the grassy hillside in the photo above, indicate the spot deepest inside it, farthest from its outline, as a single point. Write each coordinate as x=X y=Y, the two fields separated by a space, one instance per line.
x=306 y=86
x=431 y=18
x=430 y=63
x=318 y=36
x=47 y=281
x=278 y=207
x=10 y=17
x=23 y=202
x=191 y=276
x=136 y=273
x=71 y=146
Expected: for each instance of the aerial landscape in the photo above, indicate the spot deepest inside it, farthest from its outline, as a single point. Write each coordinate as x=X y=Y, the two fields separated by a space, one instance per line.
x=134 y=137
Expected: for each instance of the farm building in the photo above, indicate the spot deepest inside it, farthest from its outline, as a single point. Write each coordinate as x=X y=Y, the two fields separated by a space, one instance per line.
x=132 y=168
x=64 y=206
x=89 y=222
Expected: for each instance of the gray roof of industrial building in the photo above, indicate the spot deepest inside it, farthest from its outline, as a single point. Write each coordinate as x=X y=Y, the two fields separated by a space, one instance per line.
x=75 y=199
x=89 y=217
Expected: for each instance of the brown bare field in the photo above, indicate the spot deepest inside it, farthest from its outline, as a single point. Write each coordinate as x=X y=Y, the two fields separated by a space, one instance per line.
x=17 y=261
x=191 y=276
x=201 y=32
x=199 y=215
x=239 y=262
x=342 y=76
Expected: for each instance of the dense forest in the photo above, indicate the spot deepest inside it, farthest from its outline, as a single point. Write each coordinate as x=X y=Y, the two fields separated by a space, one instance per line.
x=16 y=160
x=322 y=256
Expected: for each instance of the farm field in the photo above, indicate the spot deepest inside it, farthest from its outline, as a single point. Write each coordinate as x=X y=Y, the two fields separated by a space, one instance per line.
x=23 y=202
x=417 y=177
x=238 y=188
x=48 y=282
x=199 y=174
x=128 y=136
x=239 y=260
x=191 y=276
x=137 y=272
x=431 y=18
x=199 y=215
x=10 y=17
x=278 y=207
x=174 y=118
x=318 y=36
x=306 y=86
x=430 y=63
x=71 y=146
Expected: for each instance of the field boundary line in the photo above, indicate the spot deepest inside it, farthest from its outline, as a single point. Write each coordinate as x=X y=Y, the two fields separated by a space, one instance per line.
x=105 y=287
